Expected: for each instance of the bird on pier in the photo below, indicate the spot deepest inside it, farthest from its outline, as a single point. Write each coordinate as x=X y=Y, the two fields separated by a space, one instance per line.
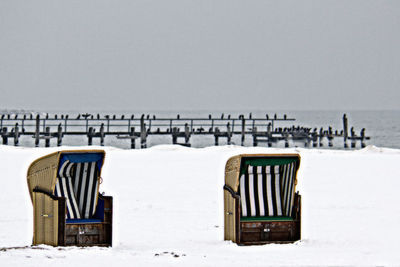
x=266 y=115
x=229 y=116
x=16 y=116
x=24 y=116
x=122 y=117
x=178 y=116
x=2 y=116
x=91 y=117
x=31 y=116
x=133 y=116
x=55 y=116
x=209 y=116
x=148 y=116
x=86 y=115
x=222 y=116
x=275 y=116
x=284 y=116
x=66 y=117
x=250 y=115
x=47 y=116
x=78 y=117
x=98 y=116
x=154 y=117
x=107 y=117
x=8 y=116
x=62 y=116
x=114 y=117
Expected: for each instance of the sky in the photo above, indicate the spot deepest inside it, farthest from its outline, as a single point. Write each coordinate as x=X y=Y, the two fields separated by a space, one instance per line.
x=199 y=55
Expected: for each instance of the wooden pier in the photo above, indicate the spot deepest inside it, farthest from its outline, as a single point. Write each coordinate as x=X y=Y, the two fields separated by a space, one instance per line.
x=98 y=127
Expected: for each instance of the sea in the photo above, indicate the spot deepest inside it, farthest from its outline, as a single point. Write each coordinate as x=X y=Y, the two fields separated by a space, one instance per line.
x=382 y=126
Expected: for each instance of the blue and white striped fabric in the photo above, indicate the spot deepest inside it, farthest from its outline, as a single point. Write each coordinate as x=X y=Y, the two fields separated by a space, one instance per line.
x=65 y=189
x=78 y=183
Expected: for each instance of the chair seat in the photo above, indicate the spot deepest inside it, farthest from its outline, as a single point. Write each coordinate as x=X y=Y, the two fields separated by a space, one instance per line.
x=266 y=218
x=68 y=221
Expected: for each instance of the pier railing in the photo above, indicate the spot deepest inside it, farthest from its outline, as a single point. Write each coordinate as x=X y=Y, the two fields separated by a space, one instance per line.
x=262 y=130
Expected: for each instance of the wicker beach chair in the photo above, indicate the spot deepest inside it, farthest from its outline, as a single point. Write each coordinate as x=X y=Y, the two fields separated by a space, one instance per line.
x=67 y=207
x=260 y=203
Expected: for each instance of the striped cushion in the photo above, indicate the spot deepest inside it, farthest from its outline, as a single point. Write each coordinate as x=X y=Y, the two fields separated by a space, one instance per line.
x=81 y=186
x=267 y=190
x=86 y=183
x=65 y=189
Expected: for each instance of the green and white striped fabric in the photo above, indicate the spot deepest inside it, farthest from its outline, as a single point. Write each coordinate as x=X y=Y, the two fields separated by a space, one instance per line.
x=267 y=190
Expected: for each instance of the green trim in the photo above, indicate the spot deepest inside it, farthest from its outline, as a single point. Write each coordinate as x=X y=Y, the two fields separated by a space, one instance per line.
x=266 y=161
x=272 y=218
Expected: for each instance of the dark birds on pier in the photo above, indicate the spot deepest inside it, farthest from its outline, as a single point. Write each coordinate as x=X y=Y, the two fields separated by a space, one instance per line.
x=78 y=117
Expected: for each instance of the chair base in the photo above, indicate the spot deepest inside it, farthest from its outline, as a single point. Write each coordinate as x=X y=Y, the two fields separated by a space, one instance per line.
x=258 y=233
x=90 y=234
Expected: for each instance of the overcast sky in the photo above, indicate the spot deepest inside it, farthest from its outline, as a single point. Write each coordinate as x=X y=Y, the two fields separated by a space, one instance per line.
x=199 y=55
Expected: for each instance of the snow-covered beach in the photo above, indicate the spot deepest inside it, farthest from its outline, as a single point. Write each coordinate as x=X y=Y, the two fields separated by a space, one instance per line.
x=168 y=210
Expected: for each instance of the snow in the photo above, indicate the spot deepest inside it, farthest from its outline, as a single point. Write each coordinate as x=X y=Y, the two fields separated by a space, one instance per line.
x=168 y=209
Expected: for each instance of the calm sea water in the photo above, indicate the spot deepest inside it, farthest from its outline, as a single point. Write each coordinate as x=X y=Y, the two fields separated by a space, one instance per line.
x=382 y=126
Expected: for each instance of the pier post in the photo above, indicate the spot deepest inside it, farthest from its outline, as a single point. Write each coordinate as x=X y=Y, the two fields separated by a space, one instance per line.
x=216 y=135
x=345 y=130
x=255 y=143
x=353 y=137
x=321 y=136
x=132 y=136
x=269 y=134
x=59 y=135
x=143 y=133
x=90 y=136
x=4 y=135
x=102 y=135
x=16 y=135
x=174 y=135
x=47 y=137
x=37 y=130
x=330 y=137
x=229 y=133
x=243 y=133
x=187 y=135
x=362 y=137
